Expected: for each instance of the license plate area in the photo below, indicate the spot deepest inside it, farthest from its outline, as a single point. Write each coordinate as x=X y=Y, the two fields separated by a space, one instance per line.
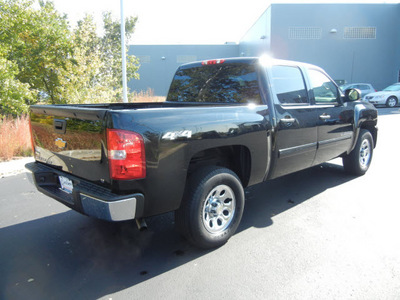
x=65 y=184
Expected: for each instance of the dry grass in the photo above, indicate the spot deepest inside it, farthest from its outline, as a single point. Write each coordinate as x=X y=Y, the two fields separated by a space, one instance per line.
x=15 y=138
x=145 y=96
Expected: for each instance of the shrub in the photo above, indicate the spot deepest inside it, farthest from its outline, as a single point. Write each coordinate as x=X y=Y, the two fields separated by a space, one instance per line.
x=15 y=138
x=145 y=96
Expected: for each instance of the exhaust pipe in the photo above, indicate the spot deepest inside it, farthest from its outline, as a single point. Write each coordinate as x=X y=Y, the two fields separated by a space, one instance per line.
x=141 y=224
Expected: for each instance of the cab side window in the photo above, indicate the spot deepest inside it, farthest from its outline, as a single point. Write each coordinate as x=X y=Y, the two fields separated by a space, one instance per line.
x=325 y=91
x=288 y=83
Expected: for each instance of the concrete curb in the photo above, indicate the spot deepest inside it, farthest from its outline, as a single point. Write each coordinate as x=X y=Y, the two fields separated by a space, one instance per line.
x=14 y=167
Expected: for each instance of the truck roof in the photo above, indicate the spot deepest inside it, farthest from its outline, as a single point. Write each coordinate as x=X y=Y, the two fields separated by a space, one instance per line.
x=265 y=60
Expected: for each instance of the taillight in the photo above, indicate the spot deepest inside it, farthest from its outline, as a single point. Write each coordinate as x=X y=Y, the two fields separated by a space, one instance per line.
x=213 y=62
x=126 y=154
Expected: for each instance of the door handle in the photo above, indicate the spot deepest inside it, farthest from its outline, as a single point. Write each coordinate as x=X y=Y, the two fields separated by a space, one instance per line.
x=324 y=117
x=288 y=120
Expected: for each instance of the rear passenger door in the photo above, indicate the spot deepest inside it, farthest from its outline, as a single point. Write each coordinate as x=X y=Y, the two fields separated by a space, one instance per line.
x=334 y=119
x=296 y=130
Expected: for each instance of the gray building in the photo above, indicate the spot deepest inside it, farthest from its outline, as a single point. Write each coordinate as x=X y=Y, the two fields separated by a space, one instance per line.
x=352 y=42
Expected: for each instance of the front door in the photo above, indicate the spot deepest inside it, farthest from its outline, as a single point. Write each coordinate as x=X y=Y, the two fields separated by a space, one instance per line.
x=334 y=119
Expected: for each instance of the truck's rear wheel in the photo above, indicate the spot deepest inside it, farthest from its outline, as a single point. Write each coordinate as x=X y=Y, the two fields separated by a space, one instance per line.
x=357 y=162
x=212 y=207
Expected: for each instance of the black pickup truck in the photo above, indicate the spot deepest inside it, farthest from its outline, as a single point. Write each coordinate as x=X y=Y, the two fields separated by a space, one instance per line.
x=225 y=125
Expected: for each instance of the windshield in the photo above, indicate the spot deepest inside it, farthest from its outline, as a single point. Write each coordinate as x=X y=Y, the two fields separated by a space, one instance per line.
x=395 y=87
x=221 y=83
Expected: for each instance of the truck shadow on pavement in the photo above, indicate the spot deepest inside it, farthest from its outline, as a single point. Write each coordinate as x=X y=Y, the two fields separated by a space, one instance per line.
x=66 y=255
x=265 y=200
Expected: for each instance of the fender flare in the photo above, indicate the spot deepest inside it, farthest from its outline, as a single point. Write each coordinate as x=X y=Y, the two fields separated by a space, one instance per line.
x=359 y=120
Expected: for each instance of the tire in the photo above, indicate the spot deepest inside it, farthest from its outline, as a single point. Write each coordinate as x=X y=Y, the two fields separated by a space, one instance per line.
x=391 y=101
x=212 y=207
x=357 y=162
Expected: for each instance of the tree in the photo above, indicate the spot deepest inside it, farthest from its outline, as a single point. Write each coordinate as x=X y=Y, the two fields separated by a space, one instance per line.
x=95 y=75
x=85 y=82
x=111 y=52
x=43 y=60
x=38 y=42
x=14 y=95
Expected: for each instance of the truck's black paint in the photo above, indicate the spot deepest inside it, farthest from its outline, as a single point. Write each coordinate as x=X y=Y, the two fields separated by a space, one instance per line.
x=259 y=139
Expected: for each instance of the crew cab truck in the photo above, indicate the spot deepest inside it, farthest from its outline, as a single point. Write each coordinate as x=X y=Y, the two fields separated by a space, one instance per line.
x=226 y=124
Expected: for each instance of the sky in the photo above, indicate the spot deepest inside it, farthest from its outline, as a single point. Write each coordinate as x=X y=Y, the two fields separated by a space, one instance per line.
x=180 y=21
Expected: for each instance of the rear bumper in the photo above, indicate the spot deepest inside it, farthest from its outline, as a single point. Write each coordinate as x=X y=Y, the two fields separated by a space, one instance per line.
x=86 y=197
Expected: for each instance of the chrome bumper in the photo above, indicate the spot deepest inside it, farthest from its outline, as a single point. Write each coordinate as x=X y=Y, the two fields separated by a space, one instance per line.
x=86 y=197
x=120 y=210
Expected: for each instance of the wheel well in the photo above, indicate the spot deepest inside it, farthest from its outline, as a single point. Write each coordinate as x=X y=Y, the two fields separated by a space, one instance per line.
x=236 y=158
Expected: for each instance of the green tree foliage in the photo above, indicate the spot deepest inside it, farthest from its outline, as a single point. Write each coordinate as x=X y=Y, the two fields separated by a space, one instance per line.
x=42 y=59
x=85 y=82
x=111 y=51
x=14 y=95
x=95 y=75
x=39 y=43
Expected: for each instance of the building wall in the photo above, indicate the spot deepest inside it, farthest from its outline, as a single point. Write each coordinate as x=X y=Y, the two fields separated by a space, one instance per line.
x=352 y=42
x=257 y=40
x=159 y=62
x=364 y=47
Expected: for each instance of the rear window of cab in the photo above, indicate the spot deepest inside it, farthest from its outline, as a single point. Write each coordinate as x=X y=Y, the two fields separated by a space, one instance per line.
x=216 y=83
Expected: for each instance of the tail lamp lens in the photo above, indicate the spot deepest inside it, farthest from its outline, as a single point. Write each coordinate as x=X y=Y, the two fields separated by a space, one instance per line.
x=126 y=154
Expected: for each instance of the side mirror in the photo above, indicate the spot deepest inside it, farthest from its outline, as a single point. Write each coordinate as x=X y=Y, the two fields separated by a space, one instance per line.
x=352 y=95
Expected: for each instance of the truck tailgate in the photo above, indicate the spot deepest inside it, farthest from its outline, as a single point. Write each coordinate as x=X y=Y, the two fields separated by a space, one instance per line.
x=71 y=139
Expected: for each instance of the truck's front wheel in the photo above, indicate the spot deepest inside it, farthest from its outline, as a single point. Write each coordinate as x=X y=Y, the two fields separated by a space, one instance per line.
x=358 y=161
x=212 y=207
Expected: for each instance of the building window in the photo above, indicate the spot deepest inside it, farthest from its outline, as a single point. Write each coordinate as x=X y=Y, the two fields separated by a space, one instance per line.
x=360 y=33
x=305 y=33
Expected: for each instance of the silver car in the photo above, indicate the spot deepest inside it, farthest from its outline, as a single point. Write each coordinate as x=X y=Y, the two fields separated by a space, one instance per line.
x=389 y=96
x=365 y=88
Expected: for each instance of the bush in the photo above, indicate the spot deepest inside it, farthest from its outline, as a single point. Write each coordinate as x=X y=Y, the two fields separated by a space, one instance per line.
x=15 y=138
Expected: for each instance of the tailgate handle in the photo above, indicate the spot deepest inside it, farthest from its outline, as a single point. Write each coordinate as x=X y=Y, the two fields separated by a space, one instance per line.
x=60 y=126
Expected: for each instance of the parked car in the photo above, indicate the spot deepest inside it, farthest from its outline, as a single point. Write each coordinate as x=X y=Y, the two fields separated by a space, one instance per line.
x=365 y=88
x=389 y=96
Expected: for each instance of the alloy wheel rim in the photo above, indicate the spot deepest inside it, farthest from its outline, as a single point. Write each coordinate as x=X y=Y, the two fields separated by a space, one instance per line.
x=392 y=102
x=219 y=209
x=365 y=154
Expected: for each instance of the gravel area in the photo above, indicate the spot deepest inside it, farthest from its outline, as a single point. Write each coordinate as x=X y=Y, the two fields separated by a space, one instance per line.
x=14 y=167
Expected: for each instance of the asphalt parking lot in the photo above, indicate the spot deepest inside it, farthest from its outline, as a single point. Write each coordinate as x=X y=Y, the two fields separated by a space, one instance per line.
x=315 y=234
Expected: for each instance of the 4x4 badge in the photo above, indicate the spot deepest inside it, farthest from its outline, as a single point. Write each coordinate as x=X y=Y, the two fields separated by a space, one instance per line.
x=60 y=143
